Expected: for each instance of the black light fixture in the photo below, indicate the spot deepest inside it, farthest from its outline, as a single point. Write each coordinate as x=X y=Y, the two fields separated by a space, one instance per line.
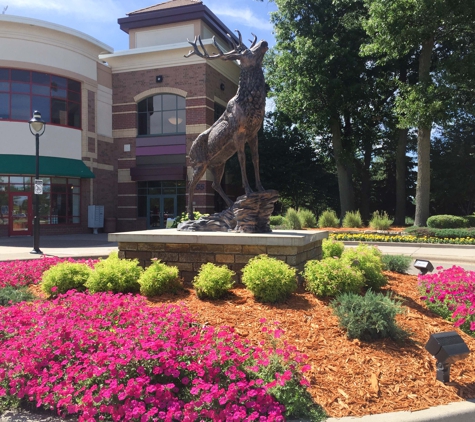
x=159 y=79
x=221 y=87
x=447 y=348
x=37 y=128
x=423 y=266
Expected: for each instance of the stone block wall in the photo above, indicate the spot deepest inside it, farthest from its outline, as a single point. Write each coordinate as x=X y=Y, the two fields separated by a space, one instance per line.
x=189 y=256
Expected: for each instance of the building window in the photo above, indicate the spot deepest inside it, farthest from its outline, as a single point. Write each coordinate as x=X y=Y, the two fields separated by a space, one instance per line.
x=59 y=203
x=58 y=99
x=162 y=114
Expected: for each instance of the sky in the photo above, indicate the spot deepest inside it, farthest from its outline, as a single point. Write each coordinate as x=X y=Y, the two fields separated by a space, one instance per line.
x=98 y=18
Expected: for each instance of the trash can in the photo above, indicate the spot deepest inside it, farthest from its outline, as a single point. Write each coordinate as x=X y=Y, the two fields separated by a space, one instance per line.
x=110 y=225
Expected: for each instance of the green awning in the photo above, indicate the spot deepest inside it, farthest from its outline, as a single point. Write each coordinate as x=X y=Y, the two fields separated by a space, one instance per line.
x=49 y=166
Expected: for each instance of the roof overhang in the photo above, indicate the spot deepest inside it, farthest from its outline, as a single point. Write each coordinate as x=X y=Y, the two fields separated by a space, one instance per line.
x=175 y=15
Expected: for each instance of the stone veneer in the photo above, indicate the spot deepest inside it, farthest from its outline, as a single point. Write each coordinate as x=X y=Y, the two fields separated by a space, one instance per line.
x=189 y=250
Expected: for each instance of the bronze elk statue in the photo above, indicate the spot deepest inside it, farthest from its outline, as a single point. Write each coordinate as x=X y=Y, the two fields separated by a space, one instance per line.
x=239 y=123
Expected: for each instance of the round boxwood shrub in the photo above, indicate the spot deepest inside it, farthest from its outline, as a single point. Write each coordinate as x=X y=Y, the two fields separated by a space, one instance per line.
x=332 y=248
x=158 y=279
x=445 y=221
x=368 y=317
x=368 y=259
x=213 y=281
x=65 y=276
x=269 y=279
x=115 y=275
x=276 y=220
x=332 y=276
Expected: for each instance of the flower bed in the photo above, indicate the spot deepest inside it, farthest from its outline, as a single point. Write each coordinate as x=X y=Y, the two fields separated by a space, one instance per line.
x=113 y=356
x=451 y=294
x=362 y=237
x=24 y=273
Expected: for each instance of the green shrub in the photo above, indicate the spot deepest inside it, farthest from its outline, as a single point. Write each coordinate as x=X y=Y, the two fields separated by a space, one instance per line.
x=368 y=260
x=471 y=220
x=159 y=278
x=331 y=276
x=276 y=220
x=10 y=295
x=332 y=248
x=115 y=275
x=396 y=263
x=368 y=317
x=65 y=276
x=292 y=220
x=408 y=221
x=184 y=217
x=269 y=279
x=380 y=221
x=213 y=281
x=307 y=218
x=328 y=218
x=352 y=219
x=440 y=233
x=445 y=221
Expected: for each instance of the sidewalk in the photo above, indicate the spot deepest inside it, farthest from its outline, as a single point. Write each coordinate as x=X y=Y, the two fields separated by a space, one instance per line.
x=63 y=246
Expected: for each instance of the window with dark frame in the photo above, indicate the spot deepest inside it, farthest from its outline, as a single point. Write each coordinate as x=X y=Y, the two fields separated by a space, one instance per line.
x=162 y=114
x=58 y=99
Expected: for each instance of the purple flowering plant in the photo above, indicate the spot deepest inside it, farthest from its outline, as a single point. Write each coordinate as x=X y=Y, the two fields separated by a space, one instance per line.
x=451 y=293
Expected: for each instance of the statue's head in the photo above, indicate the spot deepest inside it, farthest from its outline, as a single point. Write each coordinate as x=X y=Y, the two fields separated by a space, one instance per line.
x=248 y=57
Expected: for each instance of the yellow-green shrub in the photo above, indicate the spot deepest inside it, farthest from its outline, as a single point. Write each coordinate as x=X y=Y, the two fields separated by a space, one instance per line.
x=269 y=279
x=213 y=281
x=331 y=248
x=65 y=276
x=159 y=278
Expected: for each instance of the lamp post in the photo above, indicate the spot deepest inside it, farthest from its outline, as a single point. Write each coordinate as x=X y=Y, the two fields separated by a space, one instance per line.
x=37 y=128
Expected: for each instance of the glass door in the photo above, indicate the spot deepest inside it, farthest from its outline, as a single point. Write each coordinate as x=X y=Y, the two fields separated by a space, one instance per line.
x=20 y=210
x=159 y=209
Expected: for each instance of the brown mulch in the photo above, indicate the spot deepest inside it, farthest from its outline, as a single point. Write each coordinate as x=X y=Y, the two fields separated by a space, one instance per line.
x=349 y=377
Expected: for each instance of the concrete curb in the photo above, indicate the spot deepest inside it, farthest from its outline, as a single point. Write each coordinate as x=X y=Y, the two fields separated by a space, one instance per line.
x=463 y=411
x=410 y=244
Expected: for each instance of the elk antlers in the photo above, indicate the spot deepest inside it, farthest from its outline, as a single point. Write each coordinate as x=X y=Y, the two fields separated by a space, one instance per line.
x=238 y=49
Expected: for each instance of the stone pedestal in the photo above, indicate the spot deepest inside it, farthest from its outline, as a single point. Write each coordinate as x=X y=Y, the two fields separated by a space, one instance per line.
x=189 y=250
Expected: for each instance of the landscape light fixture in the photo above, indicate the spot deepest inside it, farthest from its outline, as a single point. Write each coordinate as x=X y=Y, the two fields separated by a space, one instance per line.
x=423 y=266
x=37 y=128
x=447 y=348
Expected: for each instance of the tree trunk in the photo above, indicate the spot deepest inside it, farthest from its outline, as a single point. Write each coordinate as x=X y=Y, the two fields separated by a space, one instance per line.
x=345 y=185
x=423 y=142
x=400 y=214
x=366 y=182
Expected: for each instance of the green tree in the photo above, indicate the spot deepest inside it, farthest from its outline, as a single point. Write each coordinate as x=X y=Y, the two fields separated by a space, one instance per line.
x=319 y=79
x=439 y=34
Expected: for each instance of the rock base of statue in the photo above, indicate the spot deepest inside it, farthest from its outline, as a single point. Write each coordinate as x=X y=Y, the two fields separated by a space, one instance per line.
x=249 y=214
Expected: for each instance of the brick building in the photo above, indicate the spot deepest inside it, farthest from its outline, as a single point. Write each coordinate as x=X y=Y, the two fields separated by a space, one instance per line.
x=137 y=113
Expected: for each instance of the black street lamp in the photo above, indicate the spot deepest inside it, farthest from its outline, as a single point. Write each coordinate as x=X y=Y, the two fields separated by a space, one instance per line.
x=37 y=128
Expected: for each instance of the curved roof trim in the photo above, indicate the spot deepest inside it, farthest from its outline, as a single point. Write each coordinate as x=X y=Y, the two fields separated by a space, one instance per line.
x=55 y=27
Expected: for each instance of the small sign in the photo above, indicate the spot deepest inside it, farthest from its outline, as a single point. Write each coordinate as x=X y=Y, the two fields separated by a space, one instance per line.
x=38 y=187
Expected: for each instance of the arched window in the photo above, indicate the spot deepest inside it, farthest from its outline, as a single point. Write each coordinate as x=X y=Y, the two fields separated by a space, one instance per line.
x=162 y=114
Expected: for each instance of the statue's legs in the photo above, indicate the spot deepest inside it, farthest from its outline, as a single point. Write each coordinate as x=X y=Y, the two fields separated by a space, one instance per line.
x=218 y=172
x=198 y=173
x=255 y=162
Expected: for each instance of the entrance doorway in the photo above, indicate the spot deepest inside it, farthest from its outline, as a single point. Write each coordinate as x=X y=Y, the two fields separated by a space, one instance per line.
x=159 y=209
x=20 y=214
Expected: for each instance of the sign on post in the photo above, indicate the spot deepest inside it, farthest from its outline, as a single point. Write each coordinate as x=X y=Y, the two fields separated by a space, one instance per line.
x=38 y=187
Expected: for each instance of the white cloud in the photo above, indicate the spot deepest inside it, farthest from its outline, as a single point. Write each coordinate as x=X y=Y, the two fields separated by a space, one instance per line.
x=245 y=17
x=104 y=10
